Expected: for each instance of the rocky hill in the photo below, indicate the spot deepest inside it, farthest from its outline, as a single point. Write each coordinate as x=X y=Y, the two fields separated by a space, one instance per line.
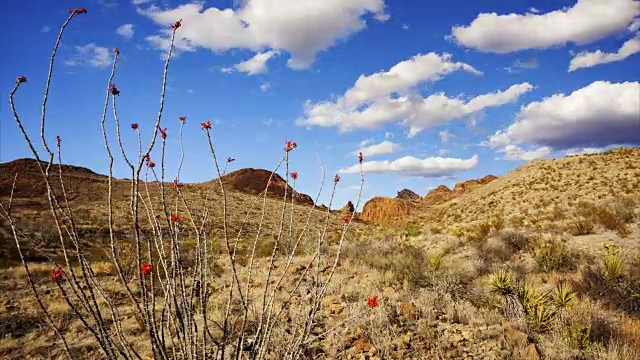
x=552 y=188
x=442 y=194
x=254 y=181
x=406 y=194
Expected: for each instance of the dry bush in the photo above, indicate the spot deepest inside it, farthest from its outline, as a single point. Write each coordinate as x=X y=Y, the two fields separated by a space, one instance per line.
x=167 y=303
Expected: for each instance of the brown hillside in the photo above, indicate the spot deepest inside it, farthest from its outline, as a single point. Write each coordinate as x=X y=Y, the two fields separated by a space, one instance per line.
x=551 y=188
x=386 y=211
x=254 y=181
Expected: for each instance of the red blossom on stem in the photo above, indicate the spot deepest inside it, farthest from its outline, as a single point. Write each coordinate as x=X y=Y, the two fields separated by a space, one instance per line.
x=176 y=25
x=116 y=51
x=230 y=159
x=182 y=118
x=151 y=164
x=58 y=140
x=134 y=126
x=175 y=218
x=113 y=89
x=360 y=157
x=206 y=125
x=163 y=132
x=347 y=220
x=372 y=302
x=175 y=184
x=62 y=221
x=21 y=79
x=336 y=178
x=146 y=269
x=56 y=274
x=290 y=145
x=294 y=175
x=77 y=11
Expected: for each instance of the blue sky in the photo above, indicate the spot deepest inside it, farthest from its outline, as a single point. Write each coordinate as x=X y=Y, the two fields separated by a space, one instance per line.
x=432 y=92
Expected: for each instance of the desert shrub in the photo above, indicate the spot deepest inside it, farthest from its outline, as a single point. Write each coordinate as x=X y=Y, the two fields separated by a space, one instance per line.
x=167 y=267
x=456 y=231
x=479 y=232
x=580 y=226
x=553 y=255
x=612 y=263
x=436 y=229
x=412 y=229
x=516 y=240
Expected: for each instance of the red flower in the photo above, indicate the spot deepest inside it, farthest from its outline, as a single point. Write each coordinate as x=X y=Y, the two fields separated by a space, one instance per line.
x=151 y=164
x=182 y=118
x=21 y=79
x=206 y=125
x=62 y=222
x=56 y=274
x=175 y=184
x=230 y=159
x=146 y=269
x=58 y=140
x=77 y=11
x=290 y=146
x=113 y=89
x=116 y=51
x=347 y=220
x=360 y=157
x=294 y=175
x=176 y=25
x=134 y=126
x=336 y=178
x=373 y=302
x=175 y=218
x=163 y=132
x=147 y=159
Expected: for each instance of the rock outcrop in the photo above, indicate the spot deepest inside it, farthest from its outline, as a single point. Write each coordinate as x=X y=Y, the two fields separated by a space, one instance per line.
x=385 y=211
x=442 y=194
x=254 y=181
x=406 y=194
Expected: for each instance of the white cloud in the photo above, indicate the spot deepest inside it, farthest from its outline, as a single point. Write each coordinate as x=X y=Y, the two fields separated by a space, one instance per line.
x=405 y=27
x=412 y=166
x=302 y=28
x=140 y=2
x=445 y=136
x=255 y=65
x=385 y=147
x=125 y=30
x=585 y=22
x=402 y=77
x=265 y=86
x=412 y=111
x=390 y=96
x=388 y=135
x=514 y=152
x=590 y=59
x=598 y=115
x=90 y=54
x=45 y=29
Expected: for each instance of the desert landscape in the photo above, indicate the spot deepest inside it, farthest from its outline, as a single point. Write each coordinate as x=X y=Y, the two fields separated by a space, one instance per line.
x=539 y=262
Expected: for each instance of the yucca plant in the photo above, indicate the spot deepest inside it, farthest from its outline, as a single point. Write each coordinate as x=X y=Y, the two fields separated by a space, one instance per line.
x=503 y=283
x=613 y=265
x=563 y=295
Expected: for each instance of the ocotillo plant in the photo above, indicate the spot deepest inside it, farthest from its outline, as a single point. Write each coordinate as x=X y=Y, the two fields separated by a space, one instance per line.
x=170 y=296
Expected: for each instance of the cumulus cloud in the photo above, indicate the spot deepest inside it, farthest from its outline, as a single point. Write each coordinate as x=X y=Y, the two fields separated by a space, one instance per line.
x=412 y=166
x=597 y=115
x=585 y=22
x=385 y=147
x=302 y=28
x=590 y=59
x=265 y=86
x=402 y=77
x=255 y=65
x=125 y=30
x=91 y=55
x=412 y=110
x=583 y=151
